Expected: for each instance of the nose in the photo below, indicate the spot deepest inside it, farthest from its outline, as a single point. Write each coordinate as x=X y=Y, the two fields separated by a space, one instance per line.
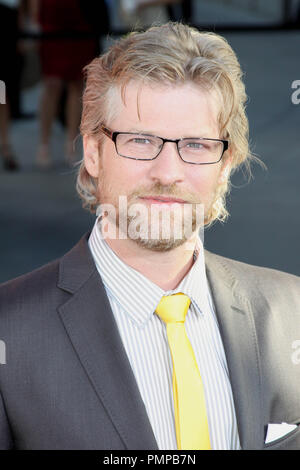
x=167 y=168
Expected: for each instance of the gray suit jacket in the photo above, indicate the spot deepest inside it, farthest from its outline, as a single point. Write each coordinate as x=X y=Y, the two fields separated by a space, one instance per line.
x=67 y=382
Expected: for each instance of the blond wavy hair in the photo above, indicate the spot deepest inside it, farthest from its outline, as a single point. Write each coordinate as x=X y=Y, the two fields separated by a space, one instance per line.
x=173 y=53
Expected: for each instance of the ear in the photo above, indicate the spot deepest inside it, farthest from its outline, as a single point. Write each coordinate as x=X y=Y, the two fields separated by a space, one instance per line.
x=225 y=170
x=91 y=155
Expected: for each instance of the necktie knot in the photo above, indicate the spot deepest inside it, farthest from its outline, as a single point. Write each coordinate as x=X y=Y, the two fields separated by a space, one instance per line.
x=173 y=308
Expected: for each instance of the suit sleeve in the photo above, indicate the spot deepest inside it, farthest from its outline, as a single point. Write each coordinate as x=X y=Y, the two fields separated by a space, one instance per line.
x=6 y=441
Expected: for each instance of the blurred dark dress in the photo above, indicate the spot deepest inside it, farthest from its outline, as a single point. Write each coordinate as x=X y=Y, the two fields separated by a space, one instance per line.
x=65 y=57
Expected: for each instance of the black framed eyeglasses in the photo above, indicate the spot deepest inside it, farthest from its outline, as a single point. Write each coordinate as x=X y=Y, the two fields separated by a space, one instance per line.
x=139 y=146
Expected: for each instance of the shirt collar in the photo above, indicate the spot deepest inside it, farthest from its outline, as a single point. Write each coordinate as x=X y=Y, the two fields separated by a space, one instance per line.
x=136 y=294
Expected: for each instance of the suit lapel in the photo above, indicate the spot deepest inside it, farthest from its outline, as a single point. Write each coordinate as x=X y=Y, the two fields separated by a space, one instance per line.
x=238 y=333
x=92 y=329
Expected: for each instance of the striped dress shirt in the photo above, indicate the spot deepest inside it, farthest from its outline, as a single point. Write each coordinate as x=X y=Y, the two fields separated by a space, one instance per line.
x=133 y=299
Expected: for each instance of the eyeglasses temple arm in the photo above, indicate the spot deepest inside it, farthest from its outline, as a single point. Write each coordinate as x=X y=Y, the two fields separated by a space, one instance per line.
x=106 y=131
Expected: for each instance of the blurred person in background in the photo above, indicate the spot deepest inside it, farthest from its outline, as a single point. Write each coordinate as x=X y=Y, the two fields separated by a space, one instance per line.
x=10 y=20
x=181 y=11
x=62 y=60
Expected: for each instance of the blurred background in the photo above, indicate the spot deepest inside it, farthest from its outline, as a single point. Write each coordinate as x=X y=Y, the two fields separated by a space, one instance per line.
x=45 y=44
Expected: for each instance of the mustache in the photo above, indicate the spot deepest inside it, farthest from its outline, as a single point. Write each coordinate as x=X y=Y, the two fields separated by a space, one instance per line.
x=165 y=191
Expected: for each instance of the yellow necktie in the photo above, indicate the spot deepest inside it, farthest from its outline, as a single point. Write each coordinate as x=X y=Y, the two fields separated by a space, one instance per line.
x=191 y=424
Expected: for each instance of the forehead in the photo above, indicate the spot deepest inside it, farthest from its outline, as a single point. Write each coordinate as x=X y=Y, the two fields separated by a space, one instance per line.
x=169 y=109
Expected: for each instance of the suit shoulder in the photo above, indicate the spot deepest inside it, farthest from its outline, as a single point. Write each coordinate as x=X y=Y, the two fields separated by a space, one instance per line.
x=30 y=286
x=251 y=273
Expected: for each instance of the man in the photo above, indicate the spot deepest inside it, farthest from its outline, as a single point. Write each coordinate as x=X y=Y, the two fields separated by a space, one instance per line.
x=138 y=338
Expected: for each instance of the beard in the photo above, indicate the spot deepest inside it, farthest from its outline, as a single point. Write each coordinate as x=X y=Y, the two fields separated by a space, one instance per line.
x=151 y=226
x=159 y=228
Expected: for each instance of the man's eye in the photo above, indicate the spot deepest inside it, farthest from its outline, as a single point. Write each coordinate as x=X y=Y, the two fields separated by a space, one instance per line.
x=195 y=145
x=140 y=140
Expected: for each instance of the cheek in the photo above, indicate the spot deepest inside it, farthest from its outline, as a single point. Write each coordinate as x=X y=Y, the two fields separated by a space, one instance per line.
x=130 y=173
x=121 y=174
x=205 y=181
